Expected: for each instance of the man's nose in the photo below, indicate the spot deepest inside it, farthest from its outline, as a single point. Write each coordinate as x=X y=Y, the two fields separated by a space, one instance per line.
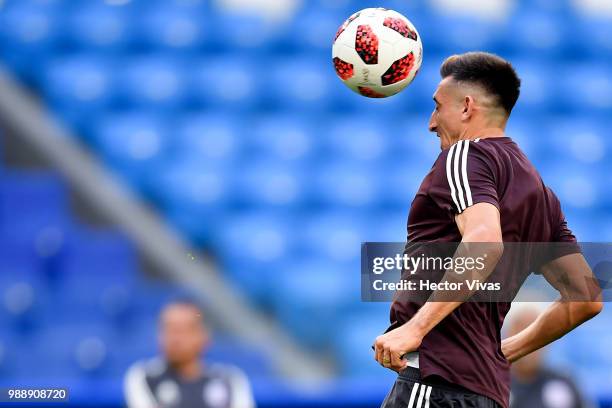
x=432 y=125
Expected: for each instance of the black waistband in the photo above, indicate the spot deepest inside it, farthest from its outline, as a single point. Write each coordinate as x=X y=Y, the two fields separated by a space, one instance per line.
x=413 y=374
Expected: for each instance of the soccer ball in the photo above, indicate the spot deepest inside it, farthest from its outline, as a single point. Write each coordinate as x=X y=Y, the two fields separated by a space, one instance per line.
x=377 y=52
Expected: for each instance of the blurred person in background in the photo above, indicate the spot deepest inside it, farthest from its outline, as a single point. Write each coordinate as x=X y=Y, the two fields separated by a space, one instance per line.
x=179 y=378
x=533 y=384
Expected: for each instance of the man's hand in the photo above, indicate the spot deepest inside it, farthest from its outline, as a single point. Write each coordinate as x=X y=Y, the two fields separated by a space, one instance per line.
x=390 y=347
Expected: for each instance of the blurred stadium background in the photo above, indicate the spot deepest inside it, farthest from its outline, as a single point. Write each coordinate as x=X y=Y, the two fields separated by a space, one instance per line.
x=220 y=129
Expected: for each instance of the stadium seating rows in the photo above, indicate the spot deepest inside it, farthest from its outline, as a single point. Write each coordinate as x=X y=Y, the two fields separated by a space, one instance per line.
x=72 y=299
x=239 y=132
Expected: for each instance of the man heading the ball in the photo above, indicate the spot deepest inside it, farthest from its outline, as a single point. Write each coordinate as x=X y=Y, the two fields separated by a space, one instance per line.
x=481 y=189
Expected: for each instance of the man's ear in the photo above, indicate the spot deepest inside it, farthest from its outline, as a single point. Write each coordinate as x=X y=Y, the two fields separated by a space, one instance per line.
x=468 y=107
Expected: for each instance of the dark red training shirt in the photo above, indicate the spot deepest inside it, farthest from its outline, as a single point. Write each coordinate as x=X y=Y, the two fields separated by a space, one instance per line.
x=465 y=348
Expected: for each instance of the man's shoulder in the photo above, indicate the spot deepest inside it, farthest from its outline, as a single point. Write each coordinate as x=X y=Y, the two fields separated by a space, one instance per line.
x=464 y=148
x=149 y=368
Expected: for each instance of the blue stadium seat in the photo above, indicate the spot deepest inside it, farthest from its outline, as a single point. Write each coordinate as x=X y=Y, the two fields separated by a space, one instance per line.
x=131 y=143
x=586 y=88
x=460 y=34
x=535 y=33
x=353 y=342
x=87 y=248
x=299 y=84
x=190 y=222
x=319 y=289
x=74 y=350
x=23 y=287
x=249 y=243
x=345 y=184
x=314 y=31
x=558 y=354
x=411 y=141
x=593 y=37
x=243 y=31
x=341 y=9
x=21 y=193
x=560 y=8
x=152 y=81
x=28 y=32
x=412 y=10
x=387 y=226
x=23 y=363
x=98 y=26
x=593 y=345
x=578 y=139
x=594 y=382
x=79 y=86
x=357 y=137
x=97 y=273
x=283 y=138
x=336 y=235
x=577 y=186
x=232 y=82
x=8 y=358
x=211 y=137
x=170 y=27
x=19 y=263
x=195 y=188
x=538 y=86
x=260 y=184
x=255 y=237
x=400 y=180
x=347 y=101
x=140 y=339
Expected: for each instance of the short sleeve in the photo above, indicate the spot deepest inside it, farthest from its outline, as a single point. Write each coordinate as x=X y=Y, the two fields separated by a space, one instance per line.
x=563 y=241
x=564 y=233
x=464 y=175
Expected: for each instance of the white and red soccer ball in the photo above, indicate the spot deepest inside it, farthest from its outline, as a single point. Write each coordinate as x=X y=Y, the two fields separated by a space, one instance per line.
x=377 y=52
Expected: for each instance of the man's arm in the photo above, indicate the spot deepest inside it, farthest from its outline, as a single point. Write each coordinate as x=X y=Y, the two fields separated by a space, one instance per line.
x=479 y=223
x=580 y=301
x=136 y=390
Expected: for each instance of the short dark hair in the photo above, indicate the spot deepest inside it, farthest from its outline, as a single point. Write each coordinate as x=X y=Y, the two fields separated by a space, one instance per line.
x=496 y=75
x=185 y=301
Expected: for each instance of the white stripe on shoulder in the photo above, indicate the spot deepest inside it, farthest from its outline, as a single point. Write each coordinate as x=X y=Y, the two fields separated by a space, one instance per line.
x=421 y=396
x=415 y=387
x=449 y=176
x=136 y=388
x=456 y=160
x=466 y=182
x=427 y=394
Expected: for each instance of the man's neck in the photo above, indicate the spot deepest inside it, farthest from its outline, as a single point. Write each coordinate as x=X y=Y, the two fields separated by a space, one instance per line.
x=189 y=371
x=482 y=133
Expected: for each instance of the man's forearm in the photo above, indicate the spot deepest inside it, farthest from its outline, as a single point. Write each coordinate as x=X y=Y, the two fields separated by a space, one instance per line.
x=429 y=315
x=443 y=303
x=559 y=319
